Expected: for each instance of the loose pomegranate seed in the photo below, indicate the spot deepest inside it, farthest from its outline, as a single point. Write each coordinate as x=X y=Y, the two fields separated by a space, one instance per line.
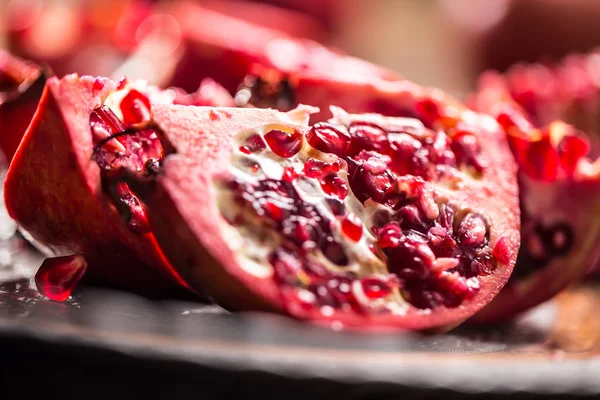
x=352 y=227
x=502 y=250
x=135 y=108
x=332 y=184
x=245 y=150
x=328 y=139
x=57 y=277
x=284 y=144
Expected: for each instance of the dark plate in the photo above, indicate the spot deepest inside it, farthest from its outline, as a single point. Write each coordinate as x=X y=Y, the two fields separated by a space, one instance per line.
x=107 y=342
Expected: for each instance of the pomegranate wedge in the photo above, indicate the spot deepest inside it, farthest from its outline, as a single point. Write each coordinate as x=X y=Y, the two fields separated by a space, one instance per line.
x=361 y=221
x=21 y=85
x=58 y=188
x=560 y=201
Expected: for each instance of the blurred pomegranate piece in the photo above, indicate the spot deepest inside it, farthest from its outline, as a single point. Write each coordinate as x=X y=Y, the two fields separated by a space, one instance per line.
x=559 y=182
x=21 y=85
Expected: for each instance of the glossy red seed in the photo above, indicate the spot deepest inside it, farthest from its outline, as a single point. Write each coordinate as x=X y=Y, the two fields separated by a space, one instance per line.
x=472 y=231
x=254 y=143
x=106 y=118
x=571 y=149
x=333 y=185
x=428 y=111
x=135 y=108
x=352 y=227
x=377 y=288
x=542 y=160
x=389 y=236
x=328 y=139
x=289 y=174
x=502 y=250
x=245 y=150
x=314 y=168
x=284 y=144
x=57 y=277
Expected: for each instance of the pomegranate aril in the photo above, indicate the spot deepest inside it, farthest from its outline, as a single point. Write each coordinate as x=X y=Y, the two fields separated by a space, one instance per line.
x=472 y=231
x=389 y=236
x=570 y=150
x=57 y=277
x=254 y=143
x=542 y=160
x=333 y=185
x=466 y=149
x=377 y=288
x=366 y=136
x=284 y=144
x=328 y=139
x=444 y=264
x=135 y=108
x=107 y=119
x=135 y=216
x=352 y=227
x=502 y=250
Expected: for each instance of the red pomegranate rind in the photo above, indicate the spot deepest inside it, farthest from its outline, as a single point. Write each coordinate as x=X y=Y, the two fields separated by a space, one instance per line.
x=54 y=191
x=560 y=189
x=21 y=85
x=193 y=208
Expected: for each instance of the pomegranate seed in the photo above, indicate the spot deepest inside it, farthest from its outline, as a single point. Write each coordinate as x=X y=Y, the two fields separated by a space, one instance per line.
x=121 y=84
x=352 y=227
x=135 y=108
x=570 y=150
x=428 y=111
x=377 y=288
x=284 y=144
x=444 y=264
x=273 y=211
x=466 y=149
x=389 y=236
x=542 y=160
x=135 y=215
x=98 y=84
x=314 y=168
x=411 y=217
x=328 y=139
x=253 y=144
x=106 y=118
x=289 y=174
x=57 y=277
x=472 y=231
x=332 y=184
x=366 y=136
x=245 y=150
x=502 y=250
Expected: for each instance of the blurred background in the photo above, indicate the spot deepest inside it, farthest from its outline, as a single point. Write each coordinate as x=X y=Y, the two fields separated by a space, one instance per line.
x=443 y=43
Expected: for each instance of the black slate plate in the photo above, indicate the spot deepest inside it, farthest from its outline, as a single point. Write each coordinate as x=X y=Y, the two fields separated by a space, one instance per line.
x=105 y=343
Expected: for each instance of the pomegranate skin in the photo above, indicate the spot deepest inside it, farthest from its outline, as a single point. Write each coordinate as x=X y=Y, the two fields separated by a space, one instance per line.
x=53 y=191
x=558 y=198
x=196 y=243
x=22 y=83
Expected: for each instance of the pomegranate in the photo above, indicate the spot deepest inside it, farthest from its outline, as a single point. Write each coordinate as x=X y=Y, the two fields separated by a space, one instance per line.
x=560 y=193
x=21 y=85
x=225 y=48
x=58 y=188
x=361 y=221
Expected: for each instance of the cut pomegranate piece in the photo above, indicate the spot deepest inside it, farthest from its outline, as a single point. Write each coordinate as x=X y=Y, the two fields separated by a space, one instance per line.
x=559 y=189
x=21 y=85
x=58 y=188
x=258 y=230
